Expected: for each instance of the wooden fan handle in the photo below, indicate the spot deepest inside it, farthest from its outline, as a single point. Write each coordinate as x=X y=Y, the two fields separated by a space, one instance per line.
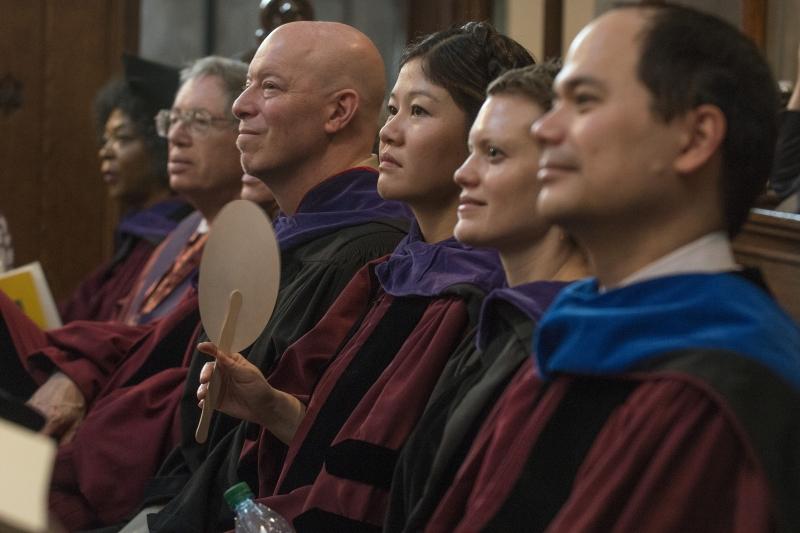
x=225 y=342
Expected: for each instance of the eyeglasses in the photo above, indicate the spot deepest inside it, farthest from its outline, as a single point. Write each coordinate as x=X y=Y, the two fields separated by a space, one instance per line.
x=198 y=120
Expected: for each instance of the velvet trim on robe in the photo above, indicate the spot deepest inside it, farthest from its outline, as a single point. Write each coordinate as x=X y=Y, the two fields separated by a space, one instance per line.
x=339 y=474
x=418 y=306
x=417 y=268
x=705 y=439
x=160 y=263
x=98 y=296
x=344 y=200
x=672 y=457
x=473 y=378
x=195 y=476
x=450 y=311
x=322 y=258
x=155 y=223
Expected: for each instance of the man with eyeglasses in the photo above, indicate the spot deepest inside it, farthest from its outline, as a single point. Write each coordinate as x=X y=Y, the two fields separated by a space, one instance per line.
x=203 y=168
x=85 y=353
x=92 y=363
x=97 y=363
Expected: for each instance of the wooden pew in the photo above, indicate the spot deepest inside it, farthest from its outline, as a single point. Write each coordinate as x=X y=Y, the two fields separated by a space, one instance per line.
x=770 y=240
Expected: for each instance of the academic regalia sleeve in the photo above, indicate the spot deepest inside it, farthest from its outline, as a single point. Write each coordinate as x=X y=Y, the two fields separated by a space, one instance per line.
x=312 y=276
x=100 y=476
x=671 y=459
x=360 y=437
x=496 y=456
x=302 y=364
x=87 y=352
x=90 y=353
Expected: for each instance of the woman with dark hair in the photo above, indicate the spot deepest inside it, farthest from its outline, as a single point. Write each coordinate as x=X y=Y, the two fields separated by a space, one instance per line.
x=345 y=397
x=133 y=162
x=497 y=209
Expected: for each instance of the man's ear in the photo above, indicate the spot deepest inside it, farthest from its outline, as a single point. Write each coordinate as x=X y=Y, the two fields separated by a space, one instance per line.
x=341 y=109
x=705 y=128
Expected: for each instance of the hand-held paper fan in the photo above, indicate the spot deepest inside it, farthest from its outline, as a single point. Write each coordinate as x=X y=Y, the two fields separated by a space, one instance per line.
x=239 y=278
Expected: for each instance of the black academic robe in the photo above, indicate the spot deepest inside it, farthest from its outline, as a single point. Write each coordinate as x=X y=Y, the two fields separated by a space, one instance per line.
x=312 y=276
x=467 y=390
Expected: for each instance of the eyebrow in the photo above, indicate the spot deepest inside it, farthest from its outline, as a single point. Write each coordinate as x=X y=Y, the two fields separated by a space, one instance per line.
x=570 y=84
x=264 y=72
x=412 y=94
x=121 y=127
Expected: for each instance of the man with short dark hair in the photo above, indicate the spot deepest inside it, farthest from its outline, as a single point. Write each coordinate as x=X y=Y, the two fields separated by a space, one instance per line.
x=667 y=391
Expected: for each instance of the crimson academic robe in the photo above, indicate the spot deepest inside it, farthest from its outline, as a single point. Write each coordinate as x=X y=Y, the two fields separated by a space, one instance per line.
x=90 y=351
x=98 y=296
x=109 y=362
x=338 y=467
x=677 y=410
x=104 y=476
x=129 y=426
x=390 y=332
x=474 y=377
x=321 y=269
x=647 y=468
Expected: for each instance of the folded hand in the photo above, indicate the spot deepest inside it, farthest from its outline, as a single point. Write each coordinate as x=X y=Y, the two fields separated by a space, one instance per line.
x=62 y=404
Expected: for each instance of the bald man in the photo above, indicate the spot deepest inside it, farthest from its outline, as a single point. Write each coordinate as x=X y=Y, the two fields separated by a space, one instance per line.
x=302 y=124
x=308 y=117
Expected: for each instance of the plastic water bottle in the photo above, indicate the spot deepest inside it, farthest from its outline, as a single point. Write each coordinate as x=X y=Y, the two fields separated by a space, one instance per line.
x=252 y=517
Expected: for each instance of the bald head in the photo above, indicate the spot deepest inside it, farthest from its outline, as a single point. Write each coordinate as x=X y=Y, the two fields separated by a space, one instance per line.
x=311 y=106
x=333 y=56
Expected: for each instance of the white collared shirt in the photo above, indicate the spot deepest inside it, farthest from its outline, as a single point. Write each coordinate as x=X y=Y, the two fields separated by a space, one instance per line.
x=709 y=254
x=202 y=227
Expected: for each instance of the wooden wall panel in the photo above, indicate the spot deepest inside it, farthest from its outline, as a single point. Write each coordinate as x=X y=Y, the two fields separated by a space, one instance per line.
x=427 y=16
x=21 y=62
x=754 y=21
x=66 y=50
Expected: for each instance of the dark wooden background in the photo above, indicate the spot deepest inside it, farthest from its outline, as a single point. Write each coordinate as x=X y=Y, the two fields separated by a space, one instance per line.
x=59 y=52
